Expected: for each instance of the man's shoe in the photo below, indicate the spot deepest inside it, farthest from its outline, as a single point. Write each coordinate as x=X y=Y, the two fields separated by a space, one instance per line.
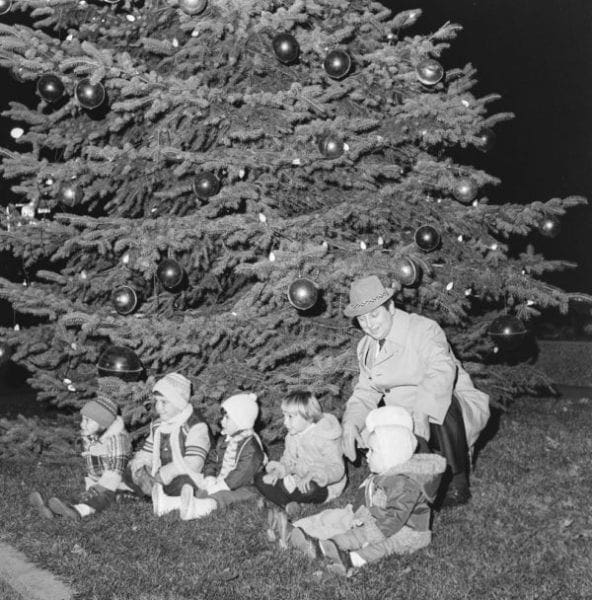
x=37 y=502
x=340 y=560
x=300 y=540
x=64 y=510
x=456 y=496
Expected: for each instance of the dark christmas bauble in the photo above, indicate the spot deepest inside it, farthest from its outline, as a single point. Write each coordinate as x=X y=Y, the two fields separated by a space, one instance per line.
x=5 y=353
x=124 y=299
x=286 y=48
x=407 y=272
x=507 y=331
x=427 y=238
x=303 y=294
x=429 y=71
x=550 y=227
x=5 y=6
x=465 y=190
x=193 y=7
x=486 y=140
x=331 y=146
x=337 y=64
x=119 y=361
x=71 y=193
x=89 y=95
x=206 y=185
x=170 y=274
x=50 y=87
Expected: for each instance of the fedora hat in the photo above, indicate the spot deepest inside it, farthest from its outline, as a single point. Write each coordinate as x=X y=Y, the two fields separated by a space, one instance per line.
x=365 y=295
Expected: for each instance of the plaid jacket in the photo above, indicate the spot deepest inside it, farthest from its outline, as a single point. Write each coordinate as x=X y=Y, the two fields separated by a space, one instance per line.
x=107 y=455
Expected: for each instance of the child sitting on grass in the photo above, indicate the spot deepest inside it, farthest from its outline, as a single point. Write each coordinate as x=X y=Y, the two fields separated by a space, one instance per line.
x=106 y=450
x=393 y=512
x=231 y=467
x=173 y=455
x=311 y=469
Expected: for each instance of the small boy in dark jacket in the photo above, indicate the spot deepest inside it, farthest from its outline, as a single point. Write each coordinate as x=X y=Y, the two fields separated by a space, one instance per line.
x=231 y=467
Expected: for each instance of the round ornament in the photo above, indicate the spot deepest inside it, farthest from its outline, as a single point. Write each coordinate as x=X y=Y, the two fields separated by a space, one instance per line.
x=507 y=331
x=486 y=140
x=427 y=238
x=5 y=353
x=5 y=6
x=193 y=7
x=89 y=95
x=303 y=294
x=550 y=227
x=337 y=64
x=286 y=48
x=407 y=272
x=331 y=146
x=119 y=361
x=429 y=71
x=50 y=87
x=465 y=190
x=71 y=193
x=170 y=274
x=124 y=299
x=206 y=185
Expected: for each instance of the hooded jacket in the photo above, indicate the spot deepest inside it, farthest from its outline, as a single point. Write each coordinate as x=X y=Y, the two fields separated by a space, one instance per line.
x=317 y=450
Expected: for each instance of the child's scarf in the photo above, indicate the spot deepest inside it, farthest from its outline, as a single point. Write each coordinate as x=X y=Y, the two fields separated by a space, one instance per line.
x=173 y=428
x=231 y=453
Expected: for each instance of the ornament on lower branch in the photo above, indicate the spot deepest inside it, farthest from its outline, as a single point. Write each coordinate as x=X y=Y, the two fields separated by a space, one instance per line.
x=465 y=190
x=70 y=193
x=550 y=226
x=119 y=361
x=206 y=185
x=50 y=87
x=5 y=6
x=407 y=272
x=89 y=95
x=427 y=238
x=507 y=331
x=5 y=352
x=429 y=72
x=124 y=299
x=303 y=294
x=193 y=7
x=286 y=48
x=337 y=64
x=170 y=274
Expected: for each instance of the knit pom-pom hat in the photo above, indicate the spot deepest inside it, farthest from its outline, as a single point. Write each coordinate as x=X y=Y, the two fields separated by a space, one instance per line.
x=102 y=410
x=176 y=388
x=242 y=409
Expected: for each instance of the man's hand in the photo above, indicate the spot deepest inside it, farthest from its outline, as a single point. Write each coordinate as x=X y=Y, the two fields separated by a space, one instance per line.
x=351 y=437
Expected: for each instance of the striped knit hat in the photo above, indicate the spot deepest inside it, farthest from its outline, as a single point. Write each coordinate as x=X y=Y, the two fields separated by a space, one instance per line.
x=176 y=388
x=102 y=410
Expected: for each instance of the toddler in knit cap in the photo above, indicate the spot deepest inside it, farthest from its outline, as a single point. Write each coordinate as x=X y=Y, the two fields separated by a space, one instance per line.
x=391 y=513
x=232 y=466
x=106 y=450
x=173 y=455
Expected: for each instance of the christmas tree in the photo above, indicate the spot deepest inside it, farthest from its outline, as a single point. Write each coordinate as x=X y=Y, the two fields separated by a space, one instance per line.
x=200 y=181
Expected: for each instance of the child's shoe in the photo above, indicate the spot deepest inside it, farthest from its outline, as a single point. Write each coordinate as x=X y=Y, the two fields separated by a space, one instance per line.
x=64 y=510
x=36 y=501
x=340 y=560
x=186 y=500
x=271 y=525
x=283 y=529
x=198 y=508
x=300 y=540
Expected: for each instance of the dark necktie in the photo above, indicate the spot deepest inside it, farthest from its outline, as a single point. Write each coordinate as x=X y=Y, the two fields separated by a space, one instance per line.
x=380 y=344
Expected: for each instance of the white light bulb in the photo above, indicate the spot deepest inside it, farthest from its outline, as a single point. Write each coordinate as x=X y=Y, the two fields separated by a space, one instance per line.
x=465 y=102
x=175 y=43
x=363 y=245
x=234 y=314
x=529 y=302
x=242 y=173
x=83 y=275
x=271 y=256
x=71 y=388
x=125 y=258
x=130 y=18
x=16 y=133
x=25 y=284
x=380 y=240
x=468 y=292
x=345 y=147
x=17 y=327
x=296 y=161
x=493 y=247
x=449 y=285
x=67 y=381
x=74 y=346
x=495 y=350
x=262 y=218
x=194 y=33
x=460 y=238
x=475 y=202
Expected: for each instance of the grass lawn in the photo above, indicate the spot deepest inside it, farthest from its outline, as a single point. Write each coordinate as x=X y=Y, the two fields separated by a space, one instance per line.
x=526 y=534
x=7 y=593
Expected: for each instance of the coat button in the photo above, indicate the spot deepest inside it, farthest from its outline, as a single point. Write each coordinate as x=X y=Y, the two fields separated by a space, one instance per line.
x=387 y=390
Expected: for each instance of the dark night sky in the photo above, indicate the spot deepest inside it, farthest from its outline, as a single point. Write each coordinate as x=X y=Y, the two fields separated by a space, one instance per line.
x=537 y=55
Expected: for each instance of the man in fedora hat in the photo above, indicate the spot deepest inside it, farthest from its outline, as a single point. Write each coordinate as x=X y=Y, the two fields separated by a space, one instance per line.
x=405 y=360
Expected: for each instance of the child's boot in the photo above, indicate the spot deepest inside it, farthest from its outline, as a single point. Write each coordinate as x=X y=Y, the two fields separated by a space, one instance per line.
x=163 y=504
x=283 y=528
x=64 y=510
x=300 y=540
x=340 y=559
x=36 y=501
x=198 y=508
